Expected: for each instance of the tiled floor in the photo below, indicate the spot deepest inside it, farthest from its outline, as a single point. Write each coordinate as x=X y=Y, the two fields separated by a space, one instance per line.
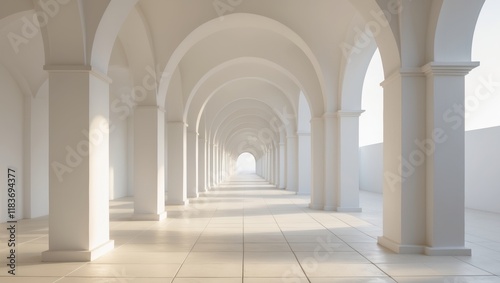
x=248 y=232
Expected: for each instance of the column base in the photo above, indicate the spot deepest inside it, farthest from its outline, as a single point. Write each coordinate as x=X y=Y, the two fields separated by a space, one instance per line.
x=177 y=202
x=149 y=216
x=349 y=209
x=78 y=256
x=398 y=248
x=448 y=251
x=316 y=206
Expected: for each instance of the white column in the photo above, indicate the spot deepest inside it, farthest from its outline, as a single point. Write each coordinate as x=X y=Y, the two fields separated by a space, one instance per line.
x=218 y=166
x=214 y=166
x=404 y=184
x=149 y=161
x=276 y=167
x=292 y=165
x=177 y=165
x=445 y=150
x=266 y=166
x=79 y=165
x=192 y=164
x=210 y=164
x=272 y=166
x=269 y=166
x=304 y=140
x=258 y=167
x=282 y=166
x=317 y=163
x=348 y=188
x=331 y=161
x=202 y=164
x=207 y=165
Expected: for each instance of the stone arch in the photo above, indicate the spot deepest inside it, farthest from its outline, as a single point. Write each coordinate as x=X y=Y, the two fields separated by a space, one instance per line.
x=452 y=30
x=249 y=21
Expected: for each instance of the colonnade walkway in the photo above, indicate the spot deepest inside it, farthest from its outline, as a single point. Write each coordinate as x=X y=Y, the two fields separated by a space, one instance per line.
x=247 y=231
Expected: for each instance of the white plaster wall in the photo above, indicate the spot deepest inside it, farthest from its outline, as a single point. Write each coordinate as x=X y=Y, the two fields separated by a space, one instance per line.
x=371 y=167
x=11 y=141
x=40 y=155
x=118 y=160
x=482 y=162
x=304 y=146
x=304 y=164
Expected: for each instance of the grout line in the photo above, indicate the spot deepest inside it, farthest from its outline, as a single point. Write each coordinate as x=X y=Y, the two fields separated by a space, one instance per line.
x=192 y=248
x=288 y=243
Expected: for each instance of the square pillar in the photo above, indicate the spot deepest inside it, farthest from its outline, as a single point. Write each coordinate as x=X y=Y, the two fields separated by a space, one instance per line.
x=192 y=164
x=149 y=163
x=304 y=174
x=348 y=188
x=292 y=163
x=317 y=169
x=282 y=166
x=404 y=167
x=177 y=165
x=202 y=164
x=445 y=150
x=79 y=164
x=331 y=164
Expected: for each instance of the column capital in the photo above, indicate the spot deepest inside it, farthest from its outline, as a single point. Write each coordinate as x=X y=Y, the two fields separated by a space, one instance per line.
x=402 y=72
x=349 y=113
x=78 y=69
x=449 y=68
x=303 y=134
x=329 y=115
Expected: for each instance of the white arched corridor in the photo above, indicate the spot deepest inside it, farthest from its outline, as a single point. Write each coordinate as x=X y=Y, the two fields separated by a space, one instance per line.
x=194 y=123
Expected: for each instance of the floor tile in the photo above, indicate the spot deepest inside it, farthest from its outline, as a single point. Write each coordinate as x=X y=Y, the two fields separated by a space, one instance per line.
x=207 y=280
x=214 y=257
x=353 y=280
x=315 y=269
x=449 y=279
x=273 y=270
x=200 y=270
x=127 y=270
x=267 y=247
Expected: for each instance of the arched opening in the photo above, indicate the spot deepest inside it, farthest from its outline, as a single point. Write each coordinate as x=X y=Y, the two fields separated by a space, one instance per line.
x=482 y=119
x=371 y=128
x=304 y=146
x=246 y=164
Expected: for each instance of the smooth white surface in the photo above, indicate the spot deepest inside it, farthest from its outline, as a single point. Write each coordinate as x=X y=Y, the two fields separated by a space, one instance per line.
x=371 y=170
x=11 y=112
x=481 y=179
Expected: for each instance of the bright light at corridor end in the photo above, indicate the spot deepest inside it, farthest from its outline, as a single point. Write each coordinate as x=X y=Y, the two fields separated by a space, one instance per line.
x=246 y=164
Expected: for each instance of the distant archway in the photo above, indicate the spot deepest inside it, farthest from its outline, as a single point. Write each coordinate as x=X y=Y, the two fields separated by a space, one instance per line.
x=246 y=164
